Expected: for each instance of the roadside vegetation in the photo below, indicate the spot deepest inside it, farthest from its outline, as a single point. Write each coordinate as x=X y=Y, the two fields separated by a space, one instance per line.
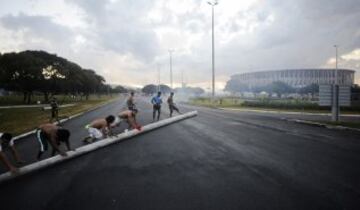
x=20 y=120
x=267 y=104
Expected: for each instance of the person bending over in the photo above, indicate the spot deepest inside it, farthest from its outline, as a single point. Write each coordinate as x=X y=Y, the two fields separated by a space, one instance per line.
x=156 y=102
x=130 y=117
x=6 y=141
x=55 y=135
x=99 y=128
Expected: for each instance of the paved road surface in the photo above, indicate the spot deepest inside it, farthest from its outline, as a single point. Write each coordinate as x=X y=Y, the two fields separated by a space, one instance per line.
x=218 y=160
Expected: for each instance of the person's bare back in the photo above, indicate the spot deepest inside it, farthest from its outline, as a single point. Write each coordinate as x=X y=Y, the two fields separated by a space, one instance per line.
x=99 y=124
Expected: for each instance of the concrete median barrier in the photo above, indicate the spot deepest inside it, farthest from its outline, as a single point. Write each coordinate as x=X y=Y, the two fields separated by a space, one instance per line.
x=94 y=146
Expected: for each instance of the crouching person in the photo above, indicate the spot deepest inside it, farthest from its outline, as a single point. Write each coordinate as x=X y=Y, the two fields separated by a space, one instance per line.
x=99 y=129
x=55 y=135
x=6 y=141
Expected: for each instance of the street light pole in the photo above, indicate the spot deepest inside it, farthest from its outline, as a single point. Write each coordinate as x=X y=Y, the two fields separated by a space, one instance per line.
x=158 y=69
x=335 y=92
x=213 y=4
x=171 y=73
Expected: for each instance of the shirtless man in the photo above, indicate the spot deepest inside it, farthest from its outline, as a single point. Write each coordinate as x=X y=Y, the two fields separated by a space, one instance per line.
x=55 y=135
x=6 y=141
x=130 y=117
x=99 y=128
x=130 y=102
x=172 y=105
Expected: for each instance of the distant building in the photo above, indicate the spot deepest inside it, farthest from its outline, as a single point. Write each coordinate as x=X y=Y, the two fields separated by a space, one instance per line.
x=295 y=77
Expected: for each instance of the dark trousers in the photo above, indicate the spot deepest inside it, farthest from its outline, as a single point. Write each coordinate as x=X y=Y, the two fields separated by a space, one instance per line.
x=156 y=108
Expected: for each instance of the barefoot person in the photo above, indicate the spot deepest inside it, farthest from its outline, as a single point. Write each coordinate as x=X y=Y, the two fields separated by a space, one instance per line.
x=130 y=117
x=156 y=102
x=99 y=128
x=6 y=141
x=172 y=105
x=55 y=135
x=130 y=102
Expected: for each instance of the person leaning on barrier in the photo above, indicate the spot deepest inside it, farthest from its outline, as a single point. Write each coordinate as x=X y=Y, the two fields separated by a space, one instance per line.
x=172 y=105
x=156 y=102
x=130 y=117
x=53 y=134
x=99 y=128
x=6 y=141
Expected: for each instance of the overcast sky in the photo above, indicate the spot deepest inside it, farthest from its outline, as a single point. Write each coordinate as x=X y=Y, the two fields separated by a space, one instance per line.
x=126 y=40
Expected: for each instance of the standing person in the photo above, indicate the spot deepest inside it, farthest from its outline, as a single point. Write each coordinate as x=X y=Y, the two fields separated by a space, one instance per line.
x=99 y=128
x=6 y=141
x=55 y=135
x=54 y=109
x=156 y=102
x=130 y=101
x=172 y=105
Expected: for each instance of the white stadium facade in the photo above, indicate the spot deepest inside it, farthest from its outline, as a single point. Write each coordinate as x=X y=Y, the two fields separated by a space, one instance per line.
x=295 y=77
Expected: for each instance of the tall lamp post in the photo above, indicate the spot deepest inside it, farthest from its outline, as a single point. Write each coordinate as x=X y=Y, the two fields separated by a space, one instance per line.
x=213 y=4
x=158 y=72
x=171 y=73
x=335 y=102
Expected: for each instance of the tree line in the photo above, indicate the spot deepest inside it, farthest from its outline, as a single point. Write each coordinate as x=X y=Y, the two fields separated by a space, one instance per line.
x=277 y=87
x=41 y=72
x=152 y=89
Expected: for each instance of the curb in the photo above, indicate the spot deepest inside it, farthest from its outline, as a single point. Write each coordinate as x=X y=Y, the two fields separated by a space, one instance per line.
x=94 y=146
x=63 y=120
x=324 y=125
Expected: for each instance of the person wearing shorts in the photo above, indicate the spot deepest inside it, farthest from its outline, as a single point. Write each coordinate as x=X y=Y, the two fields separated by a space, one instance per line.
x=130 y=117
x=172 y=105
x=53 y=134
x=99 y=128
x=6 y=141
x=156 y=101
x=130 y=102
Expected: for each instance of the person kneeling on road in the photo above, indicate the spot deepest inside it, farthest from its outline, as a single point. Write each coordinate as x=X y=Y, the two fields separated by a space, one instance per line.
x=99 y=128
x=130 y=117
x=53 y=134
x=6 y=141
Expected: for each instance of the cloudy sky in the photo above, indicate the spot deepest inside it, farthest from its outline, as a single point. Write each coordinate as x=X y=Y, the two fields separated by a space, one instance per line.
x=127 y=40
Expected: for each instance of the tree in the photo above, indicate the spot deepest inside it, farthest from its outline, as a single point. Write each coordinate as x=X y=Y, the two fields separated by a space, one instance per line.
x=280 y=88
x=234 y=86
x=312 y=89
x=149 y=89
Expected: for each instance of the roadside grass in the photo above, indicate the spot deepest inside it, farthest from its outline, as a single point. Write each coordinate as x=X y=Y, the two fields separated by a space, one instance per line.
x=20 y=120
x=62 y=99
x=291 y=105
x=345 y=124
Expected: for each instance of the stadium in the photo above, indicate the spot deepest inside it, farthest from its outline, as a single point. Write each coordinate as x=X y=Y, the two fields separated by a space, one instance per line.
x=295 y=77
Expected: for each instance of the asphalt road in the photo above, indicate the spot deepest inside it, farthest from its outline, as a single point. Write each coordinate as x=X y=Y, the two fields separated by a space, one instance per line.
x=218 y=160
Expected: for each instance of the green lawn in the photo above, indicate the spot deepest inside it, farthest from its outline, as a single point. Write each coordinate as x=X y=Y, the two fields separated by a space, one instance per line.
x=294 y=105
x=20 y=120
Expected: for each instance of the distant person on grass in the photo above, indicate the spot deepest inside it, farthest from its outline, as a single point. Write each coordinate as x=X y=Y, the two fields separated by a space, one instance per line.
x=172 y=105
x=55 y=135
x=6 y=141
x=54 y=109
x=130 y=117
x=156 y=101
x=130 y=102
x=99 y=128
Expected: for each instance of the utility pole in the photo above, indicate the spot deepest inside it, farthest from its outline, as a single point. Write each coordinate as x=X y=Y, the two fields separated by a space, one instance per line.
x=158 y=79
x=171 y=73
x=335 y=91
x=213 y=4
